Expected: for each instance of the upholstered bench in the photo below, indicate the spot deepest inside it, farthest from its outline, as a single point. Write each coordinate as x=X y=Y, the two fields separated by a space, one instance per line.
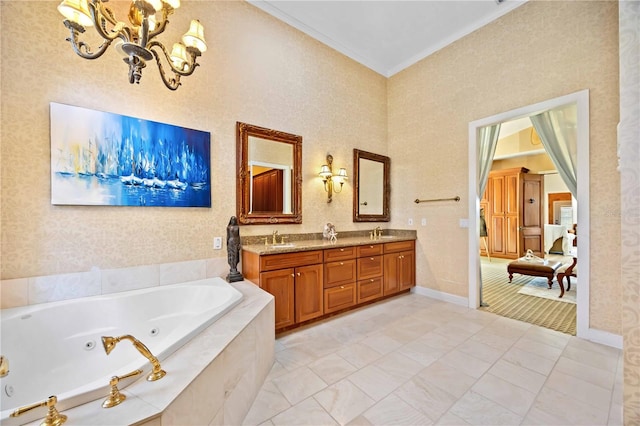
x=534 y=268
x=567 y=271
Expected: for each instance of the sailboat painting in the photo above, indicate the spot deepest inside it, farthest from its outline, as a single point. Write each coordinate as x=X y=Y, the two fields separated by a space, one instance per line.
x=106 y=159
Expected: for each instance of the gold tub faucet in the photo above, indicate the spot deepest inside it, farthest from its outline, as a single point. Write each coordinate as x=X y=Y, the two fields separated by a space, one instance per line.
x=110 y=342
x=4 y=366
x=54 y=418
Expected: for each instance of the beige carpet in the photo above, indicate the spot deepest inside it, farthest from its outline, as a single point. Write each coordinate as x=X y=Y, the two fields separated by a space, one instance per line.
x=503 y=299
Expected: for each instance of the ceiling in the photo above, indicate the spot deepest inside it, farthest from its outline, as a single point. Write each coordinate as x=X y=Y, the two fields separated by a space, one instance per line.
x=387 y=36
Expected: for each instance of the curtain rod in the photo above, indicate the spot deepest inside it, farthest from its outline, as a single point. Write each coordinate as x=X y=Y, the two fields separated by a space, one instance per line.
x=456 y=199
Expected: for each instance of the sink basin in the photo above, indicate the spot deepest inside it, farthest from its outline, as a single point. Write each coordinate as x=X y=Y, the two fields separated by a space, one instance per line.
x=286 y=245
x=387 y=236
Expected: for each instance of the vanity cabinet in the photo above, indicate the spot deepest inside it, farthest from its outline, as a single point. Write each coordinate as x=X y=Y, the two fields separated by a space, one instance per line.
x=399 y=266
x=311 y=284
x=294 y=279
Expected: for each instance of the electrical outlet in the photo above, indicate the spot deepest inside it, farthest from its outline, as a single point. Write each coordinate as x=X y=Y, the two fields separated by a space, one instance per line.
x=423 y=222
x=217 y=243
x=464 y=223
x=410 y=221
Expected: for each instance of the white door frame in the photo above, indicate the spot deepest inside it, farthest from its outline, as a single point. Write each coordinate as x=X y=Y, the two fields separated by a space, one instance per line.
x=580 y=98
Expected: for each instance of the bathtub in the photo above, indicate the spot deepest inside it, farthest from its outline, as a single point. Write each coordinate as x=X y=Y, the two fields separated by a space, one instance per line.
x=56 y=348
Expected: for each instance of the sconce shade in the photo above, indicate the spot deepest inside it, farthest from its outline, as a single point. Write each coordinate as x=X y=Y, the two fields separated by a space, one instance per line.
x=195 y=36
x=342 y=174
x=173 y=3
x=325 y=172
x=76 y=11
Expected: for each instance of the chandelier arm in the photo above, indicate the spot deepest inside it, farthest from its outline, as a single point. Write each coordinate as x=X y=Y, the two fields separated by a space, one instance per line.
x=185 y=73
x=173 y=82
x=80 y=47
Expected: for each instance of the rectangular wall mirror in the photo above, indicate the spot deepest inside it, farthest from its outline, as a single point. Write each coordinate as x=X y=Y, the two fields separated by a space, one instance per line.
x=372 y=188
x=269 y=182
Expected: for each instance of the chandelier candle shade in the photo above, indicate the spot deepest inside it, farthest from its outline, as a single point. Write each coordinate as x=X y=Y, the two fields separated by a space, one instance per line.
x=136 y=41
x=329 y=179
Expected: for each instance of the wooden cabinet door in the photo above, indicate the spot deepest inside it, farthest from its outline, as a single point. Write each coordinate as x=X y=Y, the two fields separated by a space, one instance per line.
x=406 y=270
x=391 y=283
x=280 y=284
x=308 y=292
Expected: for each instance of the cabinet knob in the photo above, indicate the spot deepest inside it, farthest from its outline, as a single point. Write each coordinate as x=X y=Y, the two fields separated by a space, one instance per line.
x=341 y=249
x=371 y=280
x=372 y=258
x=341 y=263
x=341 y=286
x=292 y=275
x=370 y=246
x=298 y=273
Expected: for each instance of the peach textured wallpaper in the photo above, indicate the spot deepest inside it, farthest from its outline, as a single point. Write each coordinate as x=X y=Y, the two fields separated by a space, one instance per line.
x=539 y=51
x=257 y=70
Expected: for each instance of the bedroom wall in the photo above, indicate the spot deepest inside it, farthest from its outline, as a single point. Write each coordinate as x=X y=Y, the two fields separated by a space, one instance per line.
x=553 y=49
x=256 y=70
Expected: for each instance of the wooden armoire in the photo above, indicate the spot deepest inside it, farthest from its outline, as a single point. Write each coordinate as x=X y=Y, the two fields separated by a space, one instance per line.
x=513 y=209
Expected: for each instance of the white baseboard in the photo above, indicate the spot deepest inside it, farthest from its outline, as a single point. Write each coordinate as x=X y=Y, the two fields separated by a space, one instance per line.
x=439 y=295
x=602 y=337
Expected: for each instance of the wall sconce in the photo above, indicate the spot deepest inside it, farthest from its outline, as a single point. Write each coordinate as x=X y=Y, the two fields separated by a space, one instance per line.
x=329 y=179
x=135 y=42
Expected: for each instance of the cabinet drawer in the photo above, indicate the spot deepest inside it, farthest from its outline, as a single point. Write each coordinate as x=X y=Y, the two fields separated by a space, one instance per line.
x=369 y=267
x=369 y=250
x=399 y=246
x=290 y=260
x=369 y=289
x=340 y=297
x=342 y=253
x=337 y=273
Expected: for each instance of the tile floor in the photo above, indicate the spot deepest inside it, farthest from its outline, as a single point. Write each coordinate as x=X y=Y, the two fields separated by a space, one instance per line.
x=413 y=360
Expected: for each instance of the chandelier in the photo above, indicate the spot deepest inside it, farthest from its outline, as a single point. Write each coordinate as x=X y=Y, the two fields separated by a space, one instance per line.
x=136 y=41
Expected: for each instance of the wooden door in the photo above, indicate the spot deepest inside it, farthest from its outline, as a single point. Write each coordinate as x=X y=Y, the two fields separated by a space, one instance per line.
x=280 y=284
x=267 y=191
x=532 y=226
x=308 y=292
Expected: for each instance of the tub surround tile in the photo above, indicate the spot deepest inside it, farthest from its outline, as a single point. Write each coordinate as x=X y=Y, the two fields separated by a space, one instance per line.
x=179 y=272
x=14 y=293
x=217 y=267
x=125 y=279
x=62 y=287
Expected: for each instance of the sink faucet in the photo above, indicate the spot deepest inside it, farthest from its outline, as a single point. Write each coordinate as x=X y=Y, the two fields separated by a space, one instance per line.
x=110 y=342
x=274 y=237
x=377 y=232
x=4 y=366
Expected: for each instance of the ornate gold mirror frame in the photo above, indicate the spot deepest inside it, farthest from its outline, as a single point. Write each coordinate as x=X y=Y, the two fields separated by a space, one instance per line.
x=260 y=151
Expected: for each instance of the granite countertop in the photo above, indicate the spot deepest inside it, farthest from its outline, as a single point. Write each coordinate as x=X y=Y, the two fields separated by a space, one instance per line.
x=295 y=244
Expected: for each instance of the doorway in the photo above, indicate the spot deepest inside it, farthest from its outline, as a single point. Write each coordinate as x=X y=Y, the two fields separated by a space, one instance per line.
x=581 y=99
